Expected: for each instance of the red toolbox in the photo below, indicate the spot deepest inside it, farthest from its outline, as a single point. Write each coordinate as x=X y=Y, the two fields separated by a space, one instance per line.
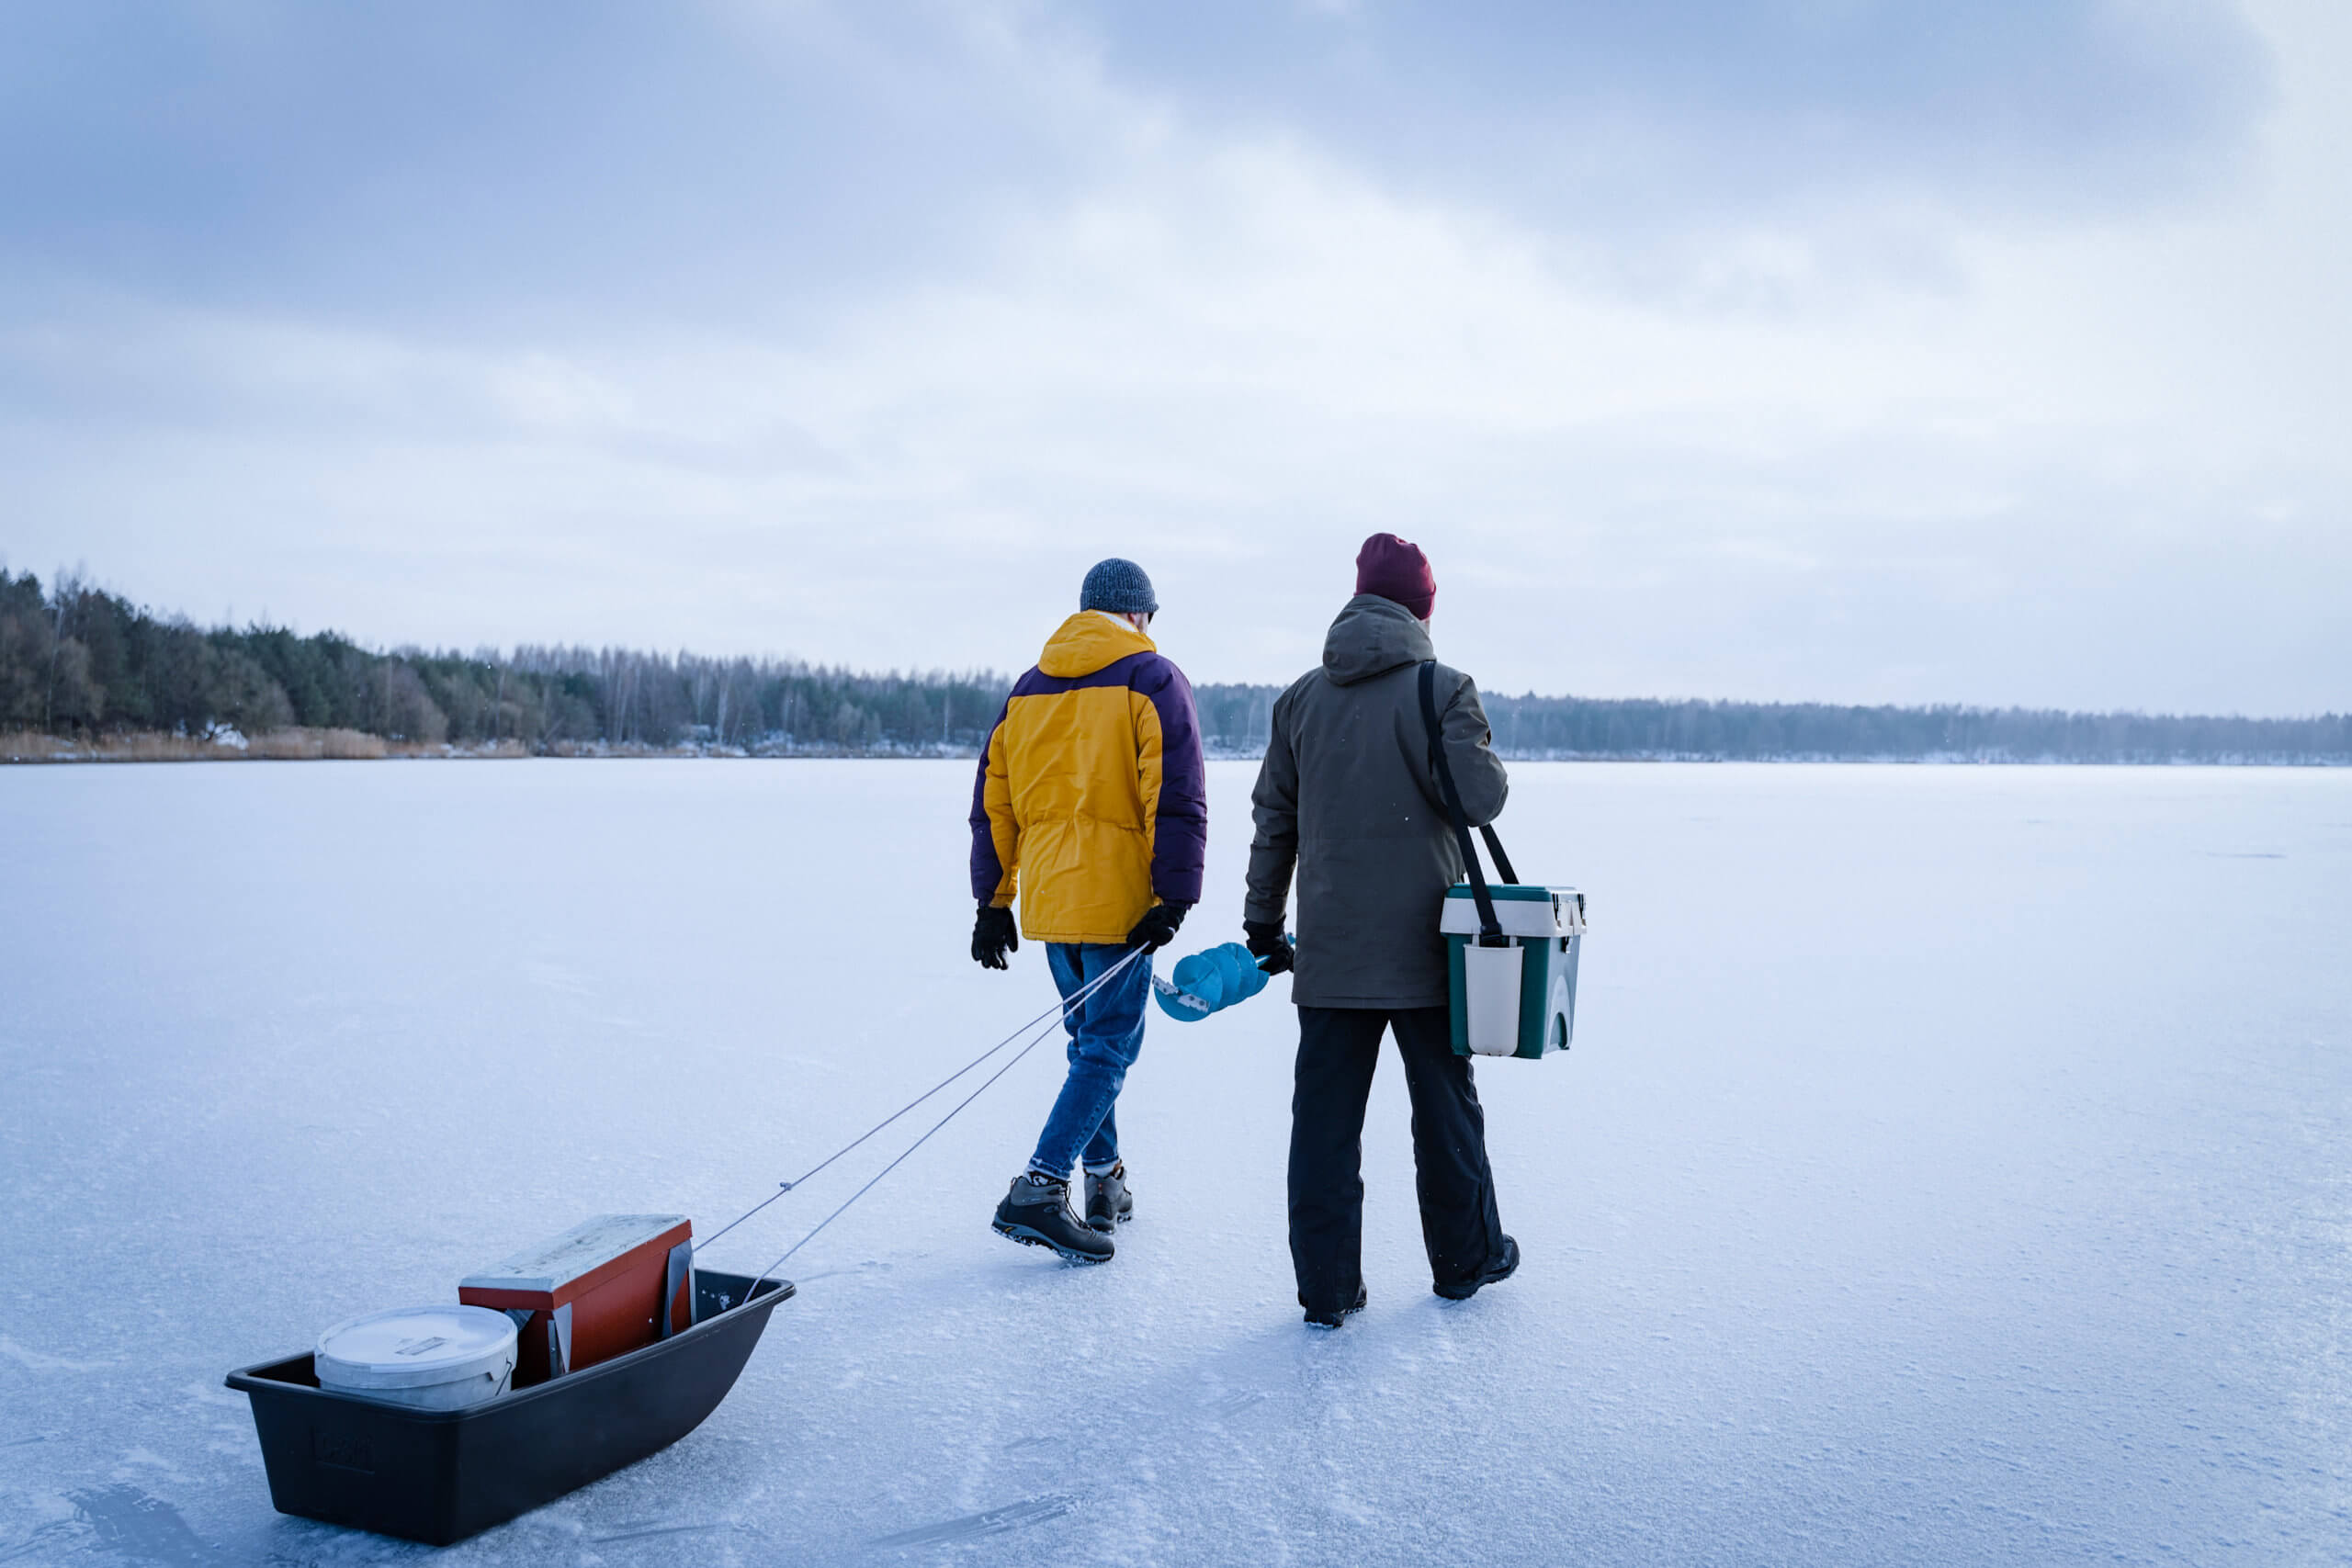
x=606 y=1286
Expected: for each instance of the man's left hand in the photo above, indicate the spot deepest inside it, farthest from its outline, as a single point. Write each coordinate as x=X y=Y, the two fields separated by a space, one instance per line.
x=1268 y=946
x=1157 y=926
x=993 y=936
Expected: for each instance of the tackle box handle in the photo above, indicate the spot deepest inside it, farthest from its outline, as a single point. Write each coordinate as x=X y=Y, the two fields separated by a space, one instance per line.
x=1488 y=926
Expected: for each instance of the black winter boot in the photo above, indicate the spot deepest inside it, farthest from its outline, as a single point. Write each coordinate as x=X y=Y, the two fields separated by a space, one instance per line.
x=1501 y=1269
x=1336 y=1316
x=1036 y=1213
x=1109 y=1205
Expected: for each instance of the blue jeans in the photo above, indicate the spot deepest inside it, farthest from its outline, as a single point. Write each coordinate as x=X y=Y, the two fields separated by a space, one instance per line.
x=1105 y=1037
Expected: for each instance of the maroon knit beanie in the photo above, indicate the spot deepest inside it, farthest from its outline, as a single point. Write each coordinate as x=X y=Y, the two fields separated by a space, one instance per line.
x=1396 y=568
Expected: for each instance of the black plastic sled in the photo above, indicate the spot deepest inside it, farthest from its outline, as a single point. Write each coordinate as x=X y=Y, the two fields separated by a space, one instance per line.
x=439 y=1477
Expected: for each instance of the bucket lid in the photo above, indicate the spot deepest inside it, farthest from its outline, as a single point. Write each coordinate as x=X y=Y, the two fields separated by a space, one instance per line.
x=414 y=1346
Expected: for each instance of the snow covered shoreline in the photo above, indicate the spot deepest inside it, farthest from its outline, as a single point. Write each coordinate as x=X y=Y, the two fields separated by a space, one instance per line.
x=306 y=745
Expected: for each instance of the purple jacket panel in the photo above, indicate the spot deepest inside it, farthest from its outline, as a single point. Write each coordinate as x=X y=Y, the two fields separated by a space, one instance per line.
x=1181 y=833
x=987 y=870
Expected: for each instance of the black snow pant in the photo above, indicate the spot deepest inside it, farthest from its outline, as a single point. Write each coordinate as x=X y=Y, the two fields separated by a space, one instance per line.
x=1338 y=1049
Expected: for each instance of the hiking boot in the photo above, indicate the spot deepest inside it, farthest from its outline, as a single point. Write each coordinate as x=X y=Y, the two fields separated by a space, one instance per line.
x=1500 y=1269
x=1036 y=1213
x=1336 y=1316
x=1109 y=1205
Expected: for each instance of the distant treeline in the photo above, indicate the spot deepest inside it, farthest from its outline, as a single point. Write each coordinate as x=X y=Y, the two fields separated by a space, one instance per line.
x=78 y=662
x=1644 y=729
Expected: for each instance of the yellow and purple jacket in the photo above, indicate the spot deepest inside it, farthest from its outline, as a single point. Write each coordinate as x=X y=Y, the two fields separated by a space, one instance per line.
x=1091 y=801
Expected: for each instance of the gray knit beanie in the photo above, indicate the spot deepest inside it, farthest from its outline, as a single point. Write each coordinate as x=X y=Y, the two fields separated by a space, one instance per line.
x=1118 y=586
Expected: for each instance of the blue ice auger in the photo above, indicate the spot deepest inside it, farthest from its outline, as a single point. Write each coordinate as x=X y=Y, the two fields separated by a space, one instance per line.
x=1209 y=982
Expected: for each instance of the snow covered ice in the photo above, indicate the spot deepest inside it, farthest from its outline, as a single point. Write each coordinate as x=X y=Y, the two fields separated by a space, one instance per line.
x=1952 y=1167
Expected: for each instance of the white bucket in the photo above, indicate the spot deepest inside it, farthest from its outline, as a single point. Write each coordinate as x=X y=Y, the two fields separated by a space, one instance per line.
x=432 y=1358
x=1491 y=981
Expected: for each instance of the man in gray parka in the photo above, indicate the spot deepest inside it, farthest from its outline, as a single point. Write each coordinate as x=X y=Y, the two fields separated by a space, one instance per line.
x=1346 y=796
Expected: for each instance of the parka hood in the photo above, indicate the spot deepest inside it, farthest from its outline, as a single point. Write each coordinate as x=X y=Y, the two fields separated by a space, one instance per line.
x=1371 y=637
x=1087 y=642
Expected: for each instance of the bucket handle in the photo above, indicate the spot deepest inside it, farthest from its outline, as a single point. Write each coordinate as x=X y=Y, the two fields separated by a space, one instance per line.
x=1490 y=930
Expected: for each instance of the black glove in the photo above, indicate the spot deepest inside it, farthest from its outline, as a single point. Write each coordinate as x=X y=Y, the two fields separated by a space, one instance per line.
x=993 y=937
x=1266 y=946
x=1157 y=926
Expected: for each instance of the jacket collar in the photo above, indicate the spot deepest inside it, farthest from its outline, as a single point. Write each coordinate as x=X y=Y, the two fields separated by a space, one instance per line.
x=1087 y=642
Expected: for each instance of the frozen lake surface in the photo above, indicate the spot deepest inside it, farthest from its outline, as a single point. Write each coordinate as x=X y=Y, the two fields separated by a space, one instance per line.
x=1954 y=1166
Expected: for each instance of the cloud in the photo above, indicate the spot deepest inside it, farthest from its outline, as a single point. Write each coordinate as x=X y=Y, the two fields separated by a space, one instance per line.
x=1648 y=115
x=443 y=160
x=859 y=332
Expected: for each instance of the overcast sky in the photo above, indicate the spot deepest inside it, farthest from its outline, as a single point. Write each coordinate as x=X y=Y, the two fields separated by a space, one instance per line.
x=1825 y=349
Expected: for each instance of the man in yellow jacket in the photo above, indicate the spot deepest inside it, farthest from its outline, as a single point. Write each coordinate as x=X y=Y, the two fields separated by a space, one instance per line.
x=1091 y=806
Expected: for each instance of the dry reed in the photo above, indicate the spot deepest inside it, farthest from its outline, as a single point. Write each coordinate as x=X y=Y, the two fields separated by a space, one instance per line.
x=295 y=745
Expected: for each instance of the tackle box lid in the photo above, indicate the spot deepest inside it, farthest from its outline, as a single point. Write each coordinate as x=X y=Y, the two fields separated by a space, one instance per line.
x=1521 y=909
x=569 y=1265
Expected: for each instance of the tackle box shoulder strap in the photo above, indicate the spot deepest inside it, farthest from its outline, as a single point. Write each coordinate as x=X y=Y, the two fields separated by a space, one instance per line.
x=1488 y=926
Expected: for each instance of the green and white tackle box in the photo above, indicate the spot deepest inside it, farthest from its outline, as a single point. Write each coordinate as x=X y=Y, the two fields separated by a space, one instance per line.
x=1516 y=997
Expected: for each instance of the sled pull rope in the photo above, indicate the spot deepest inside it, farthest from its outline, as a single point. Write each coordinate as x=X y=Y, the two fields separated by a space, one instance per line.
x=1049 y=1018
x=1037 y=1040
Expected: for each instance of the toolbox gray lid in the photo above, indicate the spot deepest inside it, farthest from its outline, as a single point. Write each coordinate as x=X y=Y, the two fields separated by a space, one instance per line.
x=552 y=1264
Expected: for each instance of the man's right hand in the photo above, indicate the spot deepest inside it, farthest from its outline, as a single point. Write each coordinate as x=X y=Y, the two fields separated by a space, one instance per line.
x=1266 y=946
x=993 y=936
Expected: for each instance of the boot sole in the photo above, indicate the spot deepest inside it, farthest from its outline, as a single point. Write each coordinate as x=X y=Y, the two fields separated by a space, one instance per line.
x=1098 y=1227
x=1028 y=1237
